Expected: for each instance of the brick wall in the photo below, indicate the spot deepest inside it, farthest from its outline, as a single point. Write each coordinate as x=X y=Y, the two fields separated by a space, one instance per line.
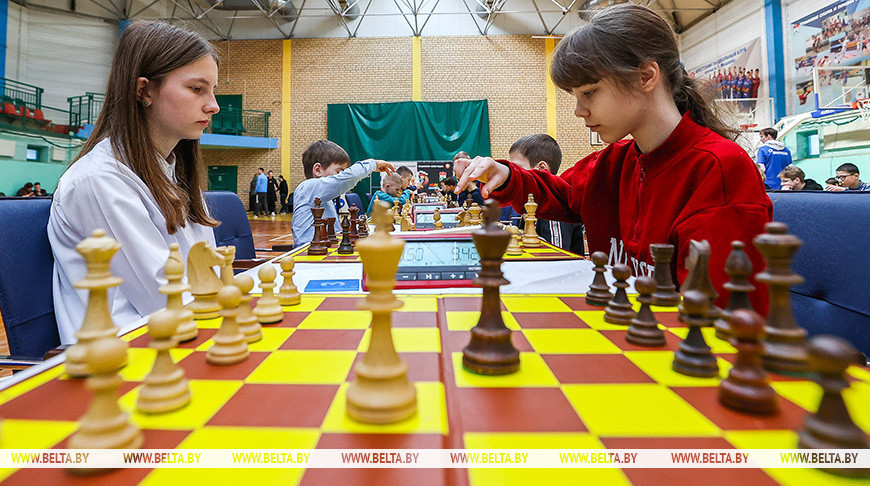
x=251 y=68
x=509 y=71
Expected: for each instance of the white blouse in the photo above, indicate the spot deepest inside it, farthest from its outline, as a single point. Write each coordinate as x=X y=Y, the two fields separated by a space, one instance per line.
x=98 y=191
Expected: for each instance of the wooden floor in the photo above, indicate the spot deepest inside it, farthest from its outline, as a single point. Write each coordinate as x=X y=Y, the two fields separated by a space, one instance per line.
x=267 y=231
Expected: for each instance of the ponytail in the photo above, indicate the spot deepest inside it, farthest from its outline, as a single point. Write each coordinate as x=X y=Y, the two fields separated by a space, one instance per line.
x=609 y=47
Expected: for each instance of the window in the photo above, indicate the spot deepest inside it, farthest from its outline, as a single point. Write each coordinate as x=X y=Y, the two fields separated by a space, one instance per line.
x=809 y=144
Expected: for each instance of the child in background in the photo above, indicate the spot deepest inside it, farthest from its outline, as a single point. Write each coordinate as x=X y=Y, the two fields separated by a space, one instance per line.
x=391 y=190
x=542 y=152
x=679 y=178
x=407 y=177
x=328 y=175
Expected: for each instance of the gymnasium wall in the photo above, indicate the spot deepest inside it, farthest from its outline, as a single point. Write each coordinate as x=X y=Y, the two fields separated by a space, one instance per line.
x=509 y=71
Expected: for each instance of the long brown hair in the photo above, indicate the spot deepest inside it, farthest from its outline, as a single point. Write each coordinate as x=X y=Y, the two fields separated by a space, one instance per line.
x=615 y=43
x=152 y=50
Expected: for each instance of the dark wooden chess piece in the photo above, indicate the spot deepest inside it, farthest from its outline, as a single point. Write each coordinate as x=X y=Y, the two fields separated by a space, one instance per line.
x=331 y=237
x=831 y=427
x=698 y=276
x=747 y=387
x=318 y=246
x=363 y=226
x=739 y=267
x=666 y=294
x=785 y=342
x=619 y=309
x=346 y=247
x=354 y=223
x=644 y=330
x=694 y=357
x=490 y=351
x=599 y=292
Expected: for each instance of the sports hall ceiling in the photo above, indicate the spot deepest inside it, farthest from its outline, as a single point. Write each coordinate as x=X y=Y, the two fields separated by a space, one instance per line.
x=279 y=19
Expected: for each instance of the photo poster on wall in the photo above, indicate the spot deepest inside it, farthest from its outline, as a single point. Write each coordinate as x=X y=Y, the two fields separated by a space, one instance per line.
x=427 y=173
x=735 y=74
x=834 y=35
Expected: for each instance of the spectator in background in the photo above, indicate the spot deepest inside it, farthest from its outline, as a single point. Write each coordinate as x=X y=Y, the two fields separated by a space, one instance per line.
x=25 y=191
x=262 y=187
x=252 y=194
x=830 y=181
x=283 y=190
x=794 y=179
x=38 y=190
x=848 y=179
x=271 y=192
x=775 y=157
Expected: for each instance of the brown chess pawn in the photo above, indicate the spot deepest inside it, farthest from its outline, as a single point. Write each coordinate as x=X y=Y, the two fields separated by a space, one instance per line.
x=747 y=387
x=288 y=294
x=530 y=237
x=599 y=292
x=174 y=288
x=694 y=357
x=739 y=267
x=246 y=320
x=330 y=232
x=785 y=342
x=666 y=294
x=619 y=309
x=164 y=389
x=346 y=247
x=105 y=425
x=268 y=309
x=490 y=351
x=831 y=427
x=318 y=246
x=644 y=330
x=229 y=343
x=363 y=226
x=354 y=223
x=97 y=250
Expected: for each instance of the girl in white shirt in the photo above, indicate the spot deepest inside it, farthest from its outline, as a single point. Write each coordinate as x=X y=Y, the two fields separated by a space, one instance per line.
x=138 y=175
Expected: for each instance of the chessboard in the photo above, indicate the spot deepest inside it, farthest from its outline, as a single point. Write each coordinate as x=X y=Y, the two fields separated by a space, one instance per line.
x=580 y=386
x=545 y=252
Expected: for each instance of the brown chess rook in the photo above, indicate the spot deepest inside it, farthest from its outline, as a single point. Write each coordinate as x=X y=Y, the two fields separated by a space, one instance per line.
x=599 y=292
x=739 y=267
x=619 y=309
x=785 y=343
x=491 y=351
x=832 y=427
x=694 y=357
x=644 y=330
x=666 y=294
x=747 y=387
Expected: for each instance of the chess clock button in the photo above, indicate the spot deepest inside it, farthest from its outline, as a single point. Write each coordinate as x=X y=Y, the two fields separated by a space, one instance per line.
x=406 y=276
x=428 y=276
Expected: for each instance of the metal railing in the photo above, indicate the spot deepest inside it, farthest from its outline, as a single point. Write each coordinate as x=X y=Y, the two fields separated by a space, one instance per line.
x=249 y=123
x=21 y=94
x=84 y=109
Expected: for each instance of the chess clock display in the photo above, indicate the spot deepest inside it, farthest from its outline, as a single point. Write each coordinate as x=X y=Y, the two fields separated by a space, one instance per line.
x=448 y=261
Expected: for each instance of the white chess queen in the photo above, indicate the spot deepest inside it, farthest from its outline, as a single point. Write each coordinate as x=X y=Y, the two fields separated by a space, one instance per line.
x=138 y=174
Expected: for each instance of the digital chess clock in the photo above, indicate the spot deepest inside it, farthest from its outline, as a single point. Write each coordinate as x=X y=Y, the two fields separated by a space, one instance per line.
x=438 y=262
x=425 y=219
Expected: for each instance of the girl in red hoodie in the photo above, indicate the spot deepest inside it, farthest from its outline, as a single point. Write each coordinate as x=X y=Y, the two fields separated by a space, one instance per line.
x=679 y=178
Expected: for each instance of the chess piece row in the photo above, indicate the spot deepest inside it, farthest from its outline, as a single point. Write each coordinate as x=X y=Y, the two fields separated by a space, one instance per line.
x=324 y=230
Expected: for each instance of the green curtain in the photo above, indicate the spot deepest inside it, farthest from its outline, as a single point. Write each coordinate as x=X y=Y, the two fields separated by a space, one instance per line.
x=409 y=130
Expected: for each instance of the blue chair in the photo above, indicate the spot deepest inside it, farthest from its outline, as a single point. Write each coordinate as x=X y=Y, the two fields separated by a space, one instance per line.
x=234 y=228
x=834 y=260
x=26 y=269
x=353 y=198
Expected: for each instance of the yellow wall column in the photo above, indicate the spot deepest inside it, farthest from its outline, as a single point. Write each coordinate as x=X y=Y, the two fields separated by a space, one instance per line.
x=285 y=108
x=550 y=44
x=416 y=69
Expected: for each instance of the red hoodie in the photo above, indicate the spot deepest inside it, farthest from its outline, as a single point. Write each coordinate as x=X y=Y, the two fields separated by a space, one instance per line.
x=696 y=185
